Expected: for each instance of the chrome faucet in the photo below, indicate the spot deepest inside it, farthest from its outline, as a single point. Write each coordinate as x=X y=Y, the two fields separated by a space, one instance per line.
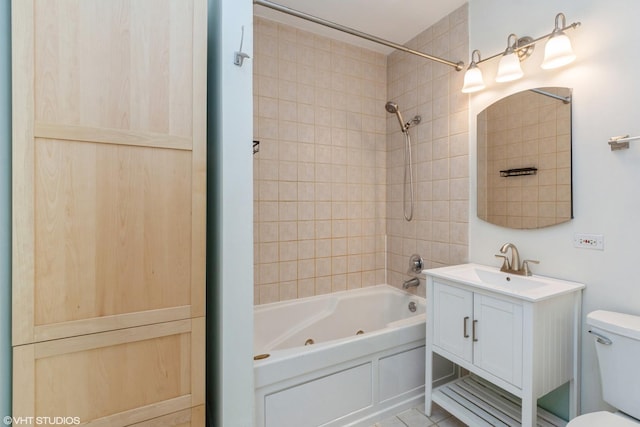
x=411 y=283
x=513 y=266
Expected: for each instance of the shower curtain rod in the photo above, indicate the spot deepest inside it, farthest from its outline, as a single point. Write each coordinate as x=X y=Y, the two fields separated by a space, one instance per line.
x=457 y=65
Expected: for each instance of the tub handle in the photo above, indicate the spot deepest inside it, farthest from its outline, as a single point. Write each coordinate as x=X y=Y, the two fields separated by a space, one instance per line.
x=416 y=264
x=464 y=325
x=473 y=331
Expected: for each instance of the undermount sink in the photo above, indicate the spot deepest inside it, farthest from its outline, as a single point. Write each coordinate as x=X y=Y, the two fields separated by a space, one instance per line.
x=532 y=288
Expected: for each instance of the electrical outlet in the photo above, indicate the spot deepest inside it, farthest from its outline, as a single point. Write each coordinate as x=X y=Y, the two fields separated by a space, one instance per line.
x=588 y=241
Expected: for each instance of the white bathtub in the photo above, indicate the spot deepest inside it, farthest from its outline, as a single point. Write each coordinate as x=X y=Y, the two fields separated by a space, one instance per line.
x=343 y=378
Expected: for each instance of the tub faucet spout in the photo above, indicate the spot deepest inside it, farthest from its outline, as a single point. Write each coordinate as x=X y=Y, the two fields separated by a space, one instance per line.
x=411 y=283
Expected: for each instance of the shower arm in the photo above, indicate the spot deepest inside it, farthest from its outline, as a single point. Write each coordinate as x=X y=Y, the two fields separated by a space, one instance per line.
x=457 y=65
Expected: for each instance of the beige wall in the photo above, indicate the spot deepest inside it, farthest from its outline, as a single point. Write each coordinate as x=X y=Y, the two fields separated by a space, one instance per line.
x=439 y=229
x=319 y=178
x=328 y=177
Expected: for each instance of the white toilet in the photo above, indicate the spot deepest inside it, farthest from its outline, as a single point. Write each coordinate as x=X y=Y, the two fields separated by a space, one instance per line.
x=617 y=338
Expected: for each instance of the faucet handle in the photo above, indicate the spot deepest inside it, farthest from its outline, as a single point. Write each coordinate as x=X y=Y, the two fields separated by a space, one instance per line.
x=525 y=266
x=506 y=265
x=416 y=264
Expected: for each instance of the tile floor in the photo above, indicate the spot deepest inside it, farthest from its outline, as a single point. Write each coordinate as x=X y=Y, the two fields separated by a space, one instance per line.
x=415 y=417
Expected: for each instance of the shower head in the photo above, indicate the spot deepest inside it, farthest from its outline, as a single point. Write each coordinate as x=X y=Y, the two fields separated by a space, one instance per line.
x=392 y=108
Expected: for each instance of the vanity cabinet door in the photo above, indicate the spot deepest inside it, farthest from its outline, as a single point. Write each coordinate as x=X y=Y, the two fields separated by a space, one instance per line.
x=452 y=320
x=497 y=346
x=482 y=330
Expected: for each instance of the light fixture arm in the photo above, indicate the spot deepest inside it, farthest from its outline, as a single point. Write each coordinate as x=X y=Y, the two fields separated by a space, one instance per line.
x=534 y=41
x=560 y=16
x=477 y=53
x=511 y=47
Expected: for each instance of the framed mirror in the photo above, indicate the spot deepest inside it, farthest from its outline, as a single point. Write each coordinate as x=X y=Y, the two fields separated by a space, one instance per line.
x=524 y=159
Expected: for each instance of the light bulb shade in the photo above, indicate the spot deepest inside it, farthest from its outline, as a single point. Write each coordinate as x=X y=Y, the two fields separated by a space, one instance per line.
x=557 y=51
x=473 y=80
x=509 y=68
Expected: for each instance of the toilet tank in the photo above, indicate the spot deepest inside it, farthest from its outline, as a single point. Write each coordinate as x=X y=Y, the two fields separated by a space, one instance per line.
x=619 y=361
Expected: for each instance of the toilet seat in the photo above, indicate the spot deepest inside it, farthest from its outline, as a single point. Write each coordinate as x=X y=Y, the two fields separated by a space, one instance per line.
x=601 y=419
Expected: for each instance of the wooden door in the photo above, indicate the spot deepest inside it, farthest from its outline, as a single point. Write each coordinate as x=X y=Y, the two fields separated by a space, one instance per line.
x=109 y=173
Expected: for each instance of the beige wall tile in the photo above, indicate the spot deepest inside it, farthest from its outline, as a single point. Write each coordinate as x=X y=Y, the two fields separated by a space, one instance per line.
x=329 y=174
x=440 y=233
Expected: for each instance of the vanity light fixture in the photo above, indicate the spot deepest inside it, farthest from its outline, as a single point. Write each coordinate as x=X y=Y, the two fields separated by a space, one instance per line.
x=558 y=52
x=509 y=66
x=473 y=80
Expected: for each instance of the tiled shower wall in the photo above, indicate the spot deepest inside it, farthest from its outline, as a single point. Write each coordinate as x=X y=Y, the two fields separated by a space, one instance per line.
x=320 y=174
x=328 y=177
x=439 y=229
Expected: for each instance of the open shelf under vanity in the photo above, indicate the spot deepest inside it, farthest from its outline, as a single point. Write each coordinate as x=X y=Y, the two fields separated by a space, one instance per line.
x=480 y=403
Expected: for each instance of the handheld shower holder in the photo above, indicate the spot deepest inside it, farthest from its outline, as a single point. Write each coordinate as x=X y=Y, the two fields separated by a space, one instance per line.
x=414 y=121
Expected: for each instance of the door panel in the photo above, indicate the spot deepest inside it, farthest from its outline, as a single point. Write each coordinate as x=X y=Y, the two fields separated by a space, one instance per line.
x=137 y=50
x=115 y=235
x=112 y=378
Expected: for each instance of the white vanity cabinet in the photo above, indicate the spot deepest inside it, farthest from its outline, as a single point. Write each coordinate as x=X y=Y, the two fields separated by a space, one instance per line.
x=511 y=333
x=479 y=329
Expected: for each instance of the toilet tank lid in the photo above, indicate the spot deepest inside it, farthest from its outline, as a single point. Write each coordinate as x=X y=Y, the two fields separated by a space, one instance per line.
x=618 y=323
